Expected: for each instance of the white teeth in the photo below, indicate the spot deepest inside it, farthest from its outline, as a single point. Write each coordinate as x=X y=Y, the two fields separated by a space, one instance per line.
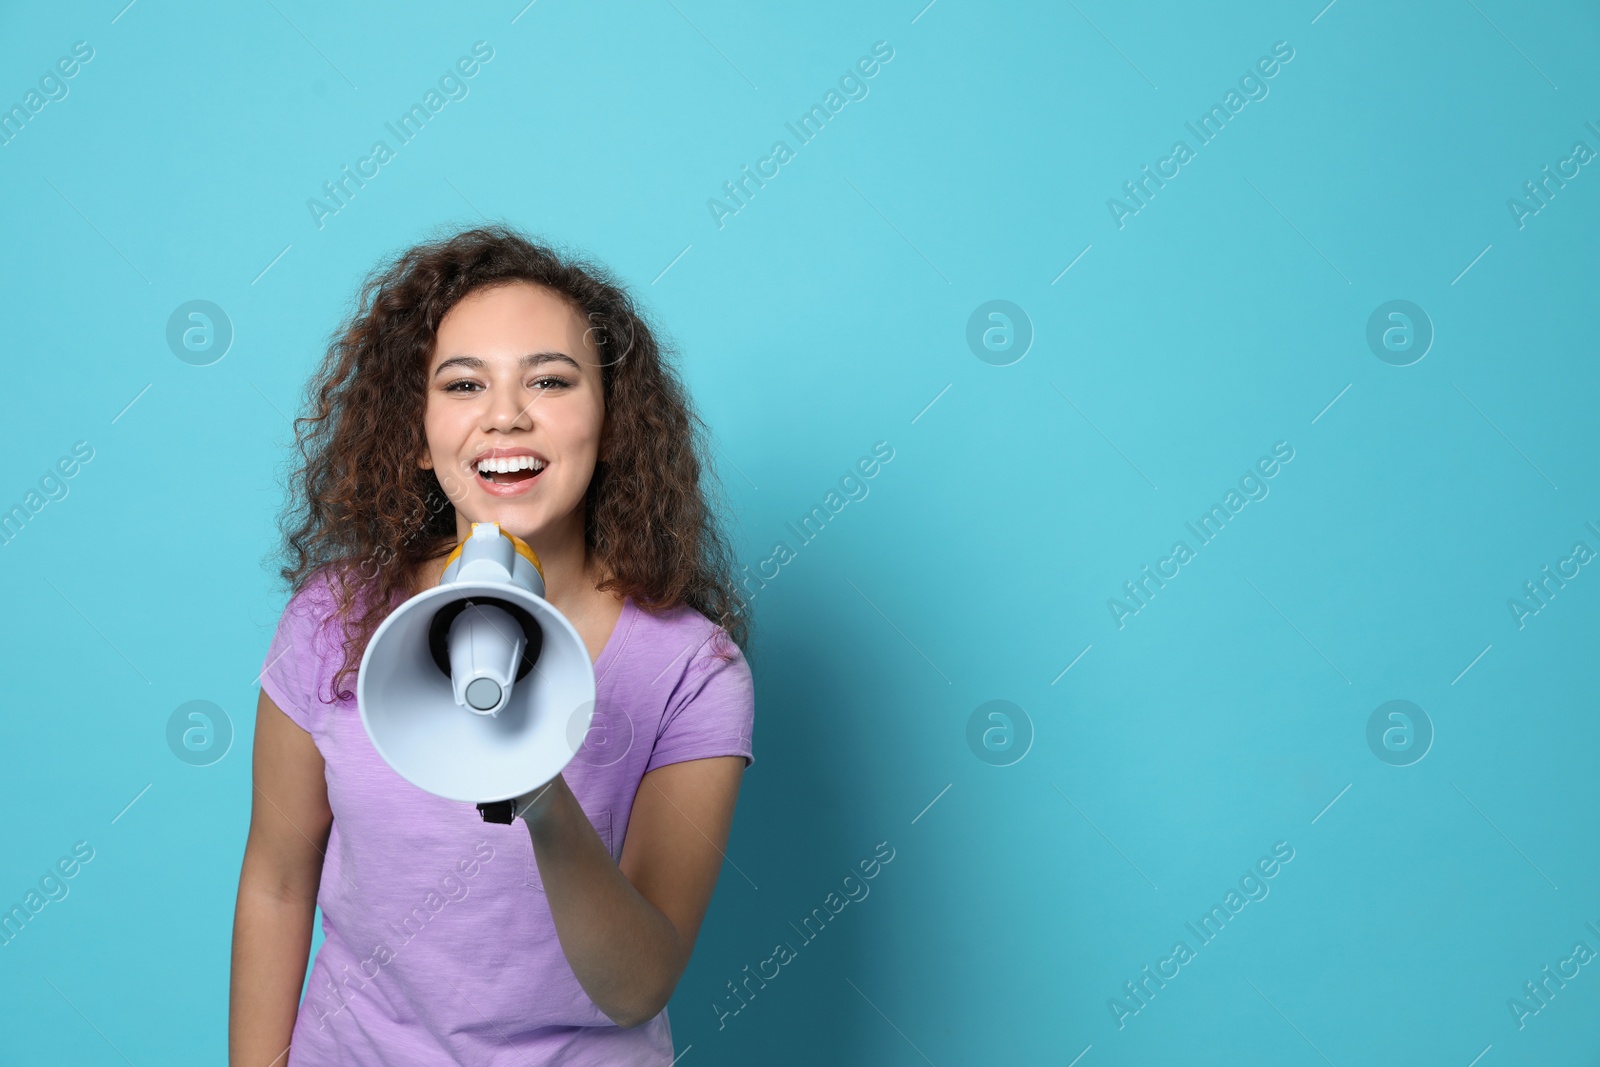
x=506 y=466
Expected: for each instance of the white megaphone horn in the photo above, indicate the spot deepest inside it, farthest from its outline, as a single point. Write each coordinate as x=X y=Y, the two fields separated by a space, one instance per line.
x=478 y=689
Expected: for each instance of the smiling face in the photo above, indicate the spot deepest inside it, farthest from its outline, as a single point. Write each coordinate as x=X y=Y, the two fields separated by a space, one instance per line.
x=515 y=379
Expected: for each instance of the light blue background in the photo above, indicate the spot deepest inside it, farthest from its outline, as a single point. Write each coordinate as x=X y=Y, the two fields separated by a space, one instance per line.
x=827 y=315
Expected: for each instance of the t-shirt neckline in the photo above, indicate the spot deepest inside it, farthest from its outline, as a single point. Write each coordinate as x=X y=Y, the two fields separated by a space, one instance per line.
x=618 y=638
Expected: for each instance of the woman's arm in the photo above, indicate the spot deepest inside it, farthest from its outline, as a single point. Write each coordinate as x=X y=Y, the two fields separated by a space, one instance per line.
x=628 y=928
x=289 y=825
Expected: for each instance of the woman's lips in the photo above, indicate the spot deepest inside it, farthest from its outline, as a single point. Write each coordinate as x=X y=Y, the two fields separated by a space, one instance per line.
x=515 y=488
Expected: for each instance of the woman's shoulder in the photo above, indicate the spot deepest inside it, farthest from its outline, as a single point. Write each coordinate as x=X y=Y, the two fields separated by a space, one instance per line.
x=682 y=631
x=676 y=656
x=316 y=595
x=690 y=668
x=317 y=604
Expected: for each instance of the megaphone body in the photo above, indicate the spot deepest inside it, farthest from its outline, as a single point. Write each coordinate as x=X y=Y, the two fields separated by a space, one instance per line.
x=478 y=689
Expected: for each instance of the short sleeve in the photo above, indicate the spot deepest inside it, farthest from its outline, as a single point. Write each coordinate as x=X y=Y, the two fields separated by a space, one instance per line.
x=712 y=710
x=289 y=673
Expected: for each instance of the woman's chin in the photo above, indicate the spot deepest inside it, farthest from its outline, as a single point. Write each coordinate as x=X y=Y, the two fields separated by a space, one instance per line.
x=510 y=519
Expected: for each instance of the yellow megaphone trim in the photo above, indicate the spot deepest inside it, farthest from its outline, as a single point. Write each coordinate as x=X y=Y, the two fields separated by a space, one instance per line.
x=516 y=542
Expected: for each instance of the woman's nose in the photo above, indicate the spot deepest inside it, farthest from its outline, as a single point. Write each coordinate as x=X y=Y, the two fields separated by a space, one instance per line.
x=511 y=409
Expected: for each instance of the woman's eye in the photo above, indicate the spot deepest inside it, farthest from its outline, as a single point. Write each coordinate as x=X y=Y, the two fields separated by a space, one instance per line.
x=543 y=383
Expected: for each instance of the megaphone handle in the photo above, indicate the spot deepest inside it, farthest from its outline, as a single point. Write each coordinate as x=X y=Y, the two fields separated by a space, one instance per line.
x=498 y=811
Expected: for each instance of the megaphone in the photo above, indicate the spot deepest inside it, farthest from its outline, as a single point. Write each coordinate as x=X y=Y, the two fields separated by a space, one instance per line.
x=477 y=689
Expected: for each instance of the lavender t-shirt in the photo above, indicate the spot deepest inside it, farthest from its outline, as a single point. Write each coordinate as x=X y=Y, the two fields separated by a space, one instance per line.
x=439 y=946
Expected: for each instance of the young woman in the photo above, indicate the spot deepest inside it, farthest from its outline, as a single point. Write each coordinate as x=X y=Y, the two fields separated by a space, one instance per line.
x=449 y=940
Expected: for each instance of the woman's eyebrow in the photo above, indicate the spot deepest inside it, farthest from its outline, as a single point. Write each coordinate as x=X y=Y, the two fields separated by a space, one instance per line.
x=532 y=359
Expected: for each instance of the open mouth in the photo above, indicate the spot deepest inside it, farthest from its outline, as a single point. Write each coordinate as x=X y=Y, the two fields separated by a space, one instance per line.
x=510 y=477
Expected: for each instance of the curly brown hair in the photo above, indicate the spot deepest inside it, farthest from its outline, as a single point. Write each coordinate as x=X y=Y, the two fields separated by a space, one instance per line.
x=361 y=510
